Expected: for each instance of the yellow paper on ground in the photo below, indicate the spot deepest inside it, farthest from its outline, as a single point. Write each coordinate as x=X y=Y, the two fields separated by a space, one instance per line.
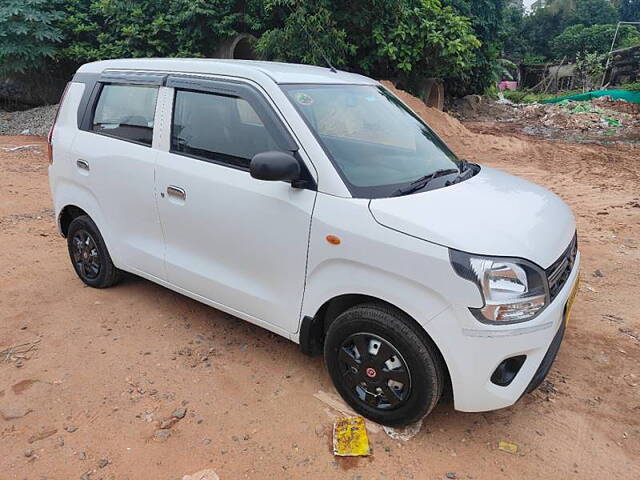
x=508 y=447
x=350 y=437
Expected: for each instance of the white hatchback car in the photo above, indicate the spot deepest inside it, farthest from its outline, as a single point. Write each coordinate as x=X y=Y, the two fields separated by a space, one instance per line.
x=317 y=205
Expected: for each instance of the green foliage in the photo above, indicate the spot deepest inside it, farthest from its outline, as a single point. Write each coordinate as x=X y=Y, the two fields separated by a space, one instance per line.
x=629 y=10
x=594 y=12
x=305 y=33
x=533 y=59
x=514 y=45
x=405 y=39
x=408 y=40
x=563 y=7
x=545 y=31
x=428 y=40
x=525 y=96
x=539 y=29
x=590 y=68
x=596 y=38
x=101 y=29
x=632 y=86
x=492 y=92
x=503 y=69
x=28 y=34
x=487 y=17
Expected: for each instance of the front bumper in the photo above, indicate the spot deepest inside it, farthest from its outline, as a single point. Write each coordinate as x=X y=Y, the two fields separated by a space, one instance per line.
x=547 y=360
x=473 y=351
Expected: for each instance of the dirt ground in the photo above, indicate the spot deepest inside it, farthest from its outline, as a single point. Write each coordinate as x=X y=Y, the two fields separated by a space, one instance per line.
x=105 y=367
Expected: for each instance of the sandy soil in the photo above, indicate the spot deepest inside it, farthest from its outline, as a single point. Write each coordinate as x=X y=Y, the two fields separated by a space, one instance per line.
x=108 y=365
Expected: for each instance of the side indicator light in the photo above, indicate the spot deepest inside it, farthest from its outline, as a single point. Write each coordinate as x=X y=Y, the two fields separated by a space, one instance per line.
x=333 y=240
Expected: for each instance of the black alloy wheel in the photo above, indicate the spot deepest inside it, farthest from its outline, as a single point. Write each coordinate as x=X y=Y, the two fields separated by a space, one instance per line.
x=85 y=255
x=89 y=254
x=374 y=369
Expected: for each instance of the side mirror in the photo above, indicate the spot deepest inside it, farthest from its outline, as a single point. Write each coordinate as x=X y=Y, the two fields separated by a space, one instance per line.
x=274 y=166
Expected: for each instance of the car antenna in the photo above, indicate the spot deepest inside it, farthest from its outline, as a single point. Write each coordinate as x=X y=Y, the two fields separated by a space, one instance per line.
x=313 y=41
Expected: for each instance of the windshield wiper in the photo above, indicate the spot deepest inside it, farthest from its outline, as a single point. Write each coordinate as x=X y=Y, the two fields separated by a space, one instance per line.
x=466 y=171
x=422 y=182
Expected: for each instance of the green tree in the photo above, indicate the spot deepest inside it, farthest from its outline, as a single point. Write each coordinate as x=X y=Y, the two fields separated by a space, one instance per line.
x=540 y=27
x=590 y=68
x=200 y=25
x=595 y=39
x=514 y=45
x=402 y=39
x=487 y=17
x=28 y=34
x=430 y=40
x=306 y=33
x=535 y=35
x=100 y=29
x=629 y=10
x=405 y=39
x=594 y=12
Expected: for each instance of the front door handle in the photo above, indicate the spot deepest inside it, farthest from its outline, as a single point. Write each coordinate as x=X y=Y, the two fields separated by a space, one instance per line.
x=82 y=164
x=177 y=192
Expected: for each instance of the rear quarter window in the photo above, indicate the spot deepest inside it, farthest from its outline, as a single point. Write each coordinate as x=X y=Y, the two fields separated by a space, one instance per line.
x=126 y=112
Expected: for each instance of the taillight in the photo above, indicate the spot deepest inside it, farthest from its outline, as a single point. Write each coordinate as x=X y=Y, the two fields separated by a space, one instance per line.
x=49 y=146
x=55 y=118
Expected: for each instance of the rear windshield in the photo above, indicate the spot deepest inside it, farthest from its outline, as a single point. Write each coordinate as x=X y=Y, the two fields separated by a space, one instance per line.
x=374 y=141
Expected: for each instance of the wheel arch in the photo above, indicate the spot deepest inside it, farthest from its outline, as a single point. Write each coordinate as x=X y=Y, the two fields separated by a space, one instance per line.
x=71 y=200
x=67 y=214
x=313 y=329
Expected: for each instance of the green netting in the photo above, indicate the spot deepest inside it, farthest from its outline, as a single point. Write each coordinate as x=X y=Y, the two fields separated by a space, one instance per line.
x=633 y=97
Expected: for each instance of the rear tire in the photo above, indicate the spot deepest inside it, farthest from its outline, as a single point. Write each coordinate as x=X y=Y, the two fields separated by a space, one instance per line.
x=399 y=377
x=89 y=255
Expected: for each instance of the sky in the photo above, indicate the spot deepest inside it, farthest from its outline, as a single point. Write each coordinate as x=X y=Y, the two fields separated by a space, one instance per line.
x=527 y=3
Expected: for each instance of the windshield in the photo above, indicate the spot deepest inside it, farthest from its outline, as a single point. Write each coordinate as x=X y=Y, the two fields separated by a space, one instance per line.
x=374 y=141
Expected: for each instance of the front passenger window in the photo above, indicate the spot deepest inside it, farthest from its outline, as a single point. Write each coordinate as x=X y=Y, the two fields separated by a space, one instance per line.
x=127 y=112
x=220 y=128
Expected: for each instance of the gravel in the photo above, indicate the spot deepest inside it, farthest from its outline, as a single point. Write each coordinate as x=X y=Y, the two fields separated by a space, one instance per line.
x=35 y=121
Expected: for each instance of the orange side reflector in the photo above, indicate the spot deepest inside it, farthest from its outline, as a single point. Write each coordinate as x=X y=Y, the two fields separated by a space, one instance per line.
x=333 y=240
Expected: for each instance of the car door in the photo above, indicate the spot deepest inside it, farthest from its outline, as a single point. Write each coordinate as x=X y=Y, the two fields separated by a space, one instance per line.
x=114 y=158
x=239 y=242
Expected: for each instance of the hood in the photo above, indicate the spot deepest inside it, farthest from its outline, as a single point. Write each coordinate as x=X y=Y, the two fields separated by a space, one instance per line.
x=493 y=213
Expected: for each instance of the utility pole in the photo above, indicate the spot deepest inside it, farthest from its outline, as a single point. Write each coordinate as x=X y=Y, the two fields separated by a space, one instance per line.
x=613 y=42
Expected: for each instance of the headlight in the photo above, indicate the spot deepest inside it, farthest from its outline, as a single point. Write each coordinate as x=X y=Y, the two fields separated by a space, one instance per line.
x=513 y=289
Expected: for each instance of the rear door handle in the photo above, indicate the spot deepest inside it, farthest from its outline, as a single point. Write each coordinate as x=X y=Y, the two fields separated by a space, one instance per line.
x=177 y=192
x=83 y=164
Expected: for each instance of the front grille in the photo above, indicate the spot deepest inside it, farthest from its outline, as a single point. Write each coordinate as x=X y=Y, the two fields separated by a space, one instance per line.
x=559 y=271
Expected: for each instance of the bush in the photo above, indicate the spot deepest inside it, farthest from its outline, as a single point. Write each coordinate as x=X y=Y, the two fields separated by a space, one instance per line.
x=525 y=96
x=633 y=86
x=590 y=68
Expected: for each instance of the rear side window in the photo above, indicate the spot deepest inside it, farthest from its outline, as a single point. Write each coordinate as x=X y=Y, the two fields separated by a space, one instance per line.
x=220 y=128
x=127 y=112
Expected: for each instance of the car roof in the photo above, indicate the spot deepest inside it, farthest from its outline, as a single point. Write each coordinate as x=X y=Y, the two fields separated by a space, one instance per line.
x=281 y=73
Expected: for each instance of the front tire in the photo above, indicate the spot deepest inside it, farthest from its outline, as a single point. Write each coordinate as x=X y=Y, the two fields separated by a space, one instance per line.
x=383 y=366
x=89 y=255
